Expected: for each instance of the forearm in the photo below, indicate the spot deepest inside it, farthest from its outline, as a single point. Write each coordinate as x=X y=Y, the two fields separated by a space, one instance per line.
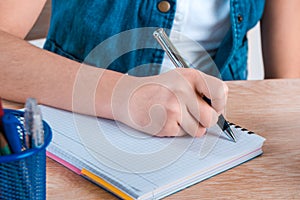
x=280 y=29
x=27 y=71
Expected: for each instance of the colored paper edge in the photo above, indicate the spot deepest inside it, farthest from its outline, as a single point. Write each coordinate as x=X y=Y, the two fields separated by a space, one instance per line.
x=105 y=184
x=63 y=162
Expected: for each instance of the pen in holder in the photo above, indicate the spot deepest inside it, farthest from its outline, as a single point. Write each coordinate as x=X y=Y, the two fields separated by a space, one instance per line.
x=23 y=173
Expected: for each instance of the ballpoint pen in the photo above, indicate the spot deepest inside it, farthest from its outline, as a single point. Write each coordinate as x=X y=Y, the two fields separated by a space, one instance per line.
x=179 y=62
x=33 y=124
x=37 y=139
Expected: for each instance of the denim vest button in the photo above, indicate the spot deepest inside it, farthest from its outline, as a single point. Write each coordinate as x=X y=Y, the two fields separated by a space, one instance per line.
x=164 y=6
x=240 y=18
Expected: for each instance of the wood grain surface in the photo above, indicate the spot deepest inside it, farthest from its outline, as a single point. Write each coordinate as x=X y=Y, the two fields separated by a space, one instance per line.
x=270 y=108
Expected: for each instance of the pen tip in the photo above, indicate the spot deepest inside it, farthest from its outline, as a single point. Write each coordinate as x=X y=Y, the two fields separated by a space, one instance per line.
x=230 y=134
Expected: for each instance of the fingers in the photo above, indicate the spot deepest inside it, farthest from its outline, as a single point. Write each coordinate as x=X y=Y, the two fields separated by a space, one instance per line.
x=192 y=114
x=202 y=112
x=172 y=104
x=213 y=88
x=193 y=123
x=171 y=129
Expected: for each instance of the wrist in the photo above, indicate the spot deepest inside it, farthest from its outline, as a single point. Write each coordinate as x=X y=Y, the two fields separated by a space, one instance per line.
x=112 y=94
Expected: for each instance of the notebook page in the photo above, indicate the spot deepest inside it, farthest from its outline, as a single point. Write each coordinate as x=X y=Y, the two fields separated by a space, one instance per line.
x=66 y=145
x=143 y=162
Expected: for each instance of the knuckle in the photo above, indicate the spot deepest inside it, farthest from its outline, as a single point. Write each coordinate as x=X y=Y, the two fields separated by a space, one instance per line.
x=187 y=71
x=222 y=90
x=173 y=109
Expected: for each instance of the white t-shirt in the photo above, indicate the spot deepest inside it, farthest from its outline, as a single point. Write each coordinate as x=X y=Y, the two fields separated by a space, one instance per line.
x=198 y=29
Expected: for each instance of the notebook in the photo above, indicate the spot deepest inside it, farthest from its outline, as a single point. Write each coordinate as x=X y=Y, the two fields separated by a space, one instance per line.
x=134 y=165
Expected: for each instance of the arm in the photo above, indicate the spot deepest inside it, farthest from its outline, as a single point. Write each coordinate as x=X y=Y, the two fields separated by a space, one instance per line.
x=280 y=30
x=27 y=71
x=18 y=17
x=154 y=105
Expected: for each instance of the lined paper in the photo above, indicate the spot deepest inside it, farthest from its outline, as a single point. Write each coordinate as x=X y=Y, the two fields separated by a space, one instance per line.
x=145 y=166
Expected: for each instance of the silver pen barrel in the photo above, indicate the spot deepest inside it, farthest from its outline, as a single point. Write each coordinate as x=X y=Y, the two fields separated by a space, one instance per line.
x=169 y=48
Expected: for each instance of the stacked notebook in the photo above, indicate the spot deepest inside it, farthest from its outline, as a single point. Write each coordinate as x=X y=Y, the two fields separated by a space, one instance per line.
x=134 y=165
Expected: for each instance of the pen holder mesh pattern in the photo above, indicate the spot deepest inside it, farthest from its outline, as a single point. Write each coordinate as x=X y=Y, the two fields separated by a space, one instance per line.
x=23 y=175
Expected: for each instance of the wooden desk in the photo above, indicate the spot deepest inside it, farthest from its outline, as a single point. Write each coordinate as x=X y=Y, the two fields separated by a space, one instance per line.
x=270 y=108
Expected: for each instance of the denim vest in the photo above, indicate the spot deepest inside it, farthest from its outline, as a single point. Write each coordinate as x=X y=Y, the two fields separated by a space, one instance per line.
x=117 y=35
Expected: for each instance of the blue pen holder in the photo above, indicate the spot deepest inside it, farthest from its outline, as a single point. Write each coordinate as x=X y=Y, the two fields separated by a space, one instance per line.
x=23 y=175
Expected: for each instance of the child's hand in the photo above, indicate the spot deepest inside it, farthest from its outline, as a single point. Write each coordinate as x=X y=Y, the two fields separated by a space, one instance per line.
x=170 y=104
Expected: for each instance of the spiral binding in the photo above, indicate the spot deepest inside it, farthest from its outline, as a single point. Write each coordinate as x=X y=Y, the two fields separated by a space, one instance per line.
x=242 y=129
